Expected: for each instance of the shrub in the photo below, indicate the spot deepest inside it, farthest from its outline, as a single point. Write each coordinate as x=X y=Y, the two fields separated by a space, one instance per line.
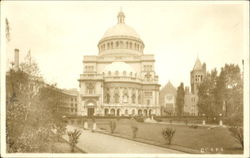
x=73 y=138
x=158 y=119
x=193 y=126
x=237 y=133
x=134 y=131
x=112 y=125
x=139 y=119
x=168 y=134
x=60 y=130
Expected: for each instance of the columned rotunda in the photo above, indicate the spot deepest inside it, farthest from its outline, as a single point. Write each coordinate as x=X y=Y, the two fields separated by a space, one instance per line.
x=120 y=80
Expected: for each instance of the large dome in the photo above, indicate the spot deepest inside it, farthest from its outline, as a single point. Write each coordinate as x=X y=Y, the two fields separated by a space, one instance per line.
x=120 y=30
x=119 y=67
x=121 y=40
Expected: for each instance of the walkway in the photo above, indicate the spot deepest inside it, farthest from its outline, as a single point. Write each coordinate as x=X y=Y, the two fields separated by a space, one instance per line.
x=102 y=143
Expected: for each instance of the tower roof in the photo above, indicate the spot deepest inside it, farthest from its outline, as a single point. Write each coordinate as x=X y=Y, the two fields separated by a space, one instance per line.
x=197 y=65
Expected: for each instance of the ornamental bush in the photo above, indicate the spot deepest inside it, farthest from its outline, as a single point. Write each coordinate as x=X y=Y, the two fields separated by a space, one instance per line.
x=168 y=134
x=73 y=138
x=139 y=118
x=134 y=131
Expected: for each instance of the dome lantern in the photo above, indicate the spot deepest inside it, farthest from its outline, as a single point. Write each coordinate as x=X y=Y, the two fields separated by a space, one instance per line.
x=121 y=17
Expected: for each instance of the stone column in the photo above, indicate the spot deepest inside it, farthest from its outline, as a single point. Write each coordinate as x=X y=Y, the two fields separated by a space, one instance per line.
x=136 y=96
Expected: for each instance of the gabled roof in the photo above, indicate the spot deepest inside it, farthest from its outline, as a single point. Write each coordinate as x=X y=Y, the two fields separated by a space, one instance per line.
x=169 y=88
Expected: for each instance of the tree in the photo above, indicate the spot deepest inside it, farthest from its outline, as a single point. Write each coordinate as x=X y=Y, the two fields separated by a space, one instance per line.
x=29 y=117
x=230 y=93
x=26 y=117
x=222 y=94
x=180 y=99
x=207 y=90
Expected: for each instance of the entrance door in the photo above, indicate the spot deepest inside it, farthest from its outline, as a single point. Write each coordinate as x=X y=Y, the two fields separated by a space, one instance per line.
x=91 y=111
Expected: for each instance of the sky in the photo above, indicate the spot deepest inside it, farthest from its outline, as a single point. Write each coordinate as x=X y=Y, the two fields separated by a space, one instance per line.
x=60 y=33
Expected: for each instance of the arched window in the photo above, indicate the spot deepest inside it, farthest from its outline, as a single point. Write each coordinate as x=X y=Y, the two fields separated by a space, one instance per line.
x=125 y=95
x=108 y=98
x=108 y=46
x=90 y=88
x=116 y=98
x=133 y=112
x=127 y=44
x=106 y=111
x=111 y=45
x=133 y=98
x=112 y=112
x=125 y=98
x=139 y=99
x=135 y=46
x=124 y=73
x=117 y=44
x=130 y=45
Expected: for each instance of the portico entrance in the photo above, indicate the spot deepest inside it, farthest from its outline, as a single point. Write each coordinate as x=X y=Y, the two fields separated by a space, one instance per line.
x=90 y=106
x=91 y=111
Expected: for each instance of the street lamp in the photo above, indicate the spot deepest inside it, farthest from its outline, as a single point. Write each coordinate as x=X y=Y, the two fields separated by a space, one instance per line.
x=203 y=121
x=221 y=123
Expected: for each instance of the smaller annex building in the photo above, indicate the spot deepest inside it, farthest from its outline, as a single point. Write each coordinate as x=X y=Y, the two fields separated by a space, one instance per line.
x=168 y=93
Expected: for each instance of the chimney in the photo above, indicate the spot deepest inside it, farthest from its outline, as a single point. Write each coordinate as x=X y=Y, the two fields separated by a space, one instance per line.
x=16 y=59
x=186 y=90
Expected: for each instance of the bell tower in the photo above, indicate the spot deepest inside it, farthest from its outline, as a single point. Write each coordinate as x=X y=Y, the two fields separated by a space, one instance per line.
x=197 y=75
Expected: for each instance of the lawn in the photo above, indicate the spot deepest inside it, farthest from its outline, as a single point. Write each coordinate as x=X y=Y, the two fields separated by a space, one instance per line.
x=200 y=138
x=60 y=146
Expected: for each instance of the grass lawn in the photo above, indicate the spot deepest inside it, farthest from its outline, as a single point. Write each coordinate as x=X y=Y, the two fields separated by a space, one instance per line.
x=200 y=138
x=60 y=146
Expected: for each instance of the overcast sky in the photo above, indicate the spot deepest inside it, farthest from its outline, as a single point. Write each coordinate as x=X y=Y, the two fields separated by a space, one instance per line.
x=60 y=33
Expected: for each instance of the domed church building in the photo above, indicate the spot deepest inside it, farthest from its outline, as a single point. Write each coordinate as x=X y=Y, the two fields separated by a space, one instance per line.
x=120 y=80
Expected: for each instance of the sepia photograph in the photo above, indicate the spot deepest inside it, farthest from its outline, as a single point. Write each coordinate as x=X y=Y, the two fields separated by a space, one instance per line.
x=124 y=79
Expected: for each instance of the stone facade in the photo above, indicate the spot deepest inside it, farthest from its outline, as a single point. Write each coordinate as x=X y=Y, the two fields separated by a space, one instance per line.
x=168 y=99
x=120 y=80
x=197 y=75
x=168 y=93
